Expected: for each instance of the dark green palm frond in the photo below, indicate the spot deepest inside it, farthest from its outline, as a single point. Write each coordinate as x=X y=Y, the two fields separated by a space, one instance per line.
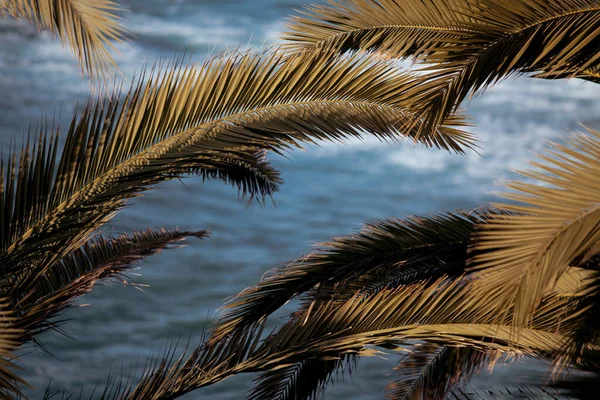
x=431 y=371
x=470 y=44
x=410 y=250
x=76 y=274
x=9 y=340
x=582 y=387
x=88 y=26
x=175 y=122
x=523 y=255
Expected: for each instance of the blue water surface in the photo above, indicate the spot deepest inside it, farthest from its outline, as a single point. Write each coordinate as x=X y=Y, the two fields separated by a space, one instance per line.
x=330 y=190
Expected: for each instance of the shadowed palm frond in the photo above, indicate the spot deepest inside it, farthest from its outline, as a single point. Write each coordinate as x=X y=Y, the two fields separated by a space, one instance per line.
x=9 y=340
x=75 y=275
x=88 y=26
x=470 y=44
x=555 y=225
x=442 y=313
x=400 y=251
x=587 y=327
x=304 y=380
x=397 y=317
x=180 y=120
x=431 y=371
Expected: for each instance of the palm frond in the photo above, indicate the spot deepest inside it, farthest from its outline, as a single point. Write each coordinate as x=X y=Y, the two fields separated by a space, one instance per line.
x=554 y=226
x=98 y=259
x=435 y=313
x=469 y=44
x=529 y=392
x=88 y=26
x=396 y=29
x=9 y=334
x=430 y=371
x=445 y=312
x=303 y=380
x=441 y=313
x=175 y=122
x=408 y=250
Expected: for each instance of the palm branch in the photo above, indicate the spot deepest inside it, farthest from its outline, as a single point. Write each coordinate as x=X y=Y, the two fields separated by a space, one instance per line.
x=191 y=119
x=304 y=380
x=413 y=314
x=443 y=313
x=396 y=29
x=387 y=253
x=469 y=44
x=88 y=26
x=554 y=226
x=98 y=259
x=430 y=371
x=9 y=334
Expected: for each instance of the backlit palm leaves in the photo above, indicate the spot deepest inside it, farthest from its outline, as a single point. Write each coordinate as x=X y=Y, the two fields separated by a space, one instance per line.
x=464 y=45
x=529 y=247
x=88 y=26
x=9 y=340
x=209 y=119
x=216 y=120
x=400 y=286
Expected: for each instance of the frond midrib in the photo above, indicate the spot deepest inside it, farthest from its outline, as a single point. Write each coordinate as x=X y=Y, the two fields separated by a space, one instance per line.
x=539 y=255
x=332 y=38
x=554 y=17
x=233 y=118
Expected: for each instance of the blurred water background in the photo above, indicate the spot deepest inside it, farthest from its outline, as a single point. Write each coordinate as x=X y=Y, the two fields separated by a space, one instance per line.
x=329 y=190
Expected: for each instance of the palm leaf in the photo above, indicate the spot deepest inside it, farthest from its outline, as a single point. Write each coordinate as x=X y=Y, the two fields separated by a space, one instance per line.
x=304 y=380
x=405 y=250
x=9 y=334
x=523 y=255
x=175 y=122
x=441 y=313
x=75 y=275
x=435 y=313
x=470 y=44
x=444 y=312
x=396 y=29
x=529 y=392
x=88 y=26
x=431 y=371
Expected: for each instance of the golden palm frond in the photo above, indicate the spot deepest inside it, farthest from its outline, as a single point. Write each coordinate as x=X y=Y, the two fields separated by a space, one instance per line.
x=180 y=120
x=443 y=312
x=430 y=371
x=9 y=336
x=554 y=226
x=470 y=44
x=88 y=26
x=381 y=254
x=396 y=29
x=75 y=275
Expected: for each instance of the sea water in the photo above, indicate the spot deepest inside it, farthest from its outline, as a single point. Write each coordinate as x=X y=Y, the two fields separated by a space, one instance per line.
x=330 y=190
